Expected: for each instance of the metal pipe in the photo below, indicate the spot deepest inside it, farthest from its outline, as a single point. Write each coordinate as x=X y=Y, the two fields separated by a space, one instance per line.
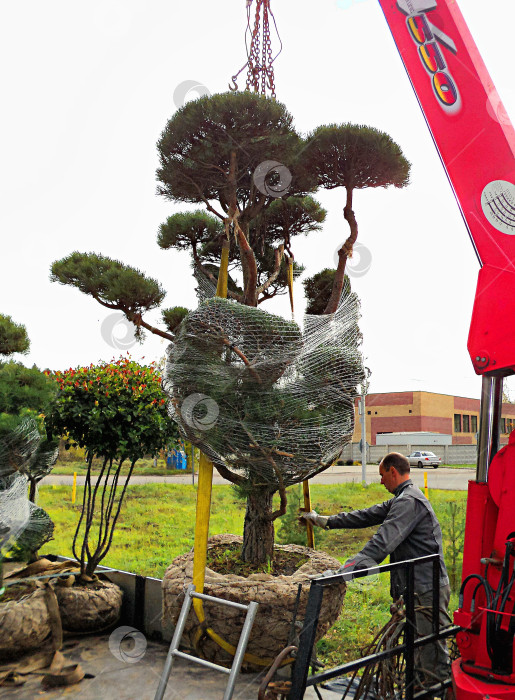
x=306 y=642
x=230 y=603
x=201 y=662
x=240 y=649
x=363 y=438
x=192 y=464
x=496 y=418
x=436 y=596
x=410 y=627
x=489 y=424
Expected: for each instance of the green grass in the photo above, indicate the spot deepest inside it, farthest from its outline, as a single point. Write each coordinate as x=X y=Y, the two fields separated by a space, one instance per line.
x=157 y=524
x=459 y=466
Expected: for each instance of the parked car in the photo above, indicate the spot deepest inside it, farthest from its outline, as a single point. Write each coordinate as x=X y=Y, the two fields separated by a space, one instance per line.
x=424 y=459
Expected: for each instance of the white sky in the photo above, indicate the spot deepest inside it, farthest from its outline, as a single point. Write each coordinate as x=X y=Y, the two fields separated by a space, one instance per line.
x=87 y=89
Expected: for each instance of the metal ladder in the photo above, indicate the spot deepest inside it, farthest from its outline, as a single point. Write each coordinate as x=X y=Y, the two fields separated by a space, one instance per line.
x=173 y=651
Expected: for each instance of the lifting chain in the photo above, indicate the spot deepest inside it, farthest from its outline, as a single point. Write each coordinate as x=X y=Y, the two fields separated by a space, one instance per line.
x=260 y=70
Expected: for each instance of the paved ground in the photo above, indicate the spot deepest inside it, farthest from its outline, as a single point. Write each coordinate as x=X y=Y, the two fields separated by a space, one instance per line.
x=113 y=678
x=441 y=478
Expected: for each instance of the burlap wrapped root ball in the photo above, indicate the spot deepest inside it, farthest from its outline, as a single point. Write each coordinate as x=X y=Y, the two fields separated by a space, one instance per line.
x=91 y=608
x=24 y=624
x=276 y=596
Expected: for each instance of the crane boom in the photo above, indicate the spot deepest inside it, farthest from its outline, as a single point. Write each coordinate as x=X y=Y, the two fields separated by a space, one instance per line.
x=476 y=143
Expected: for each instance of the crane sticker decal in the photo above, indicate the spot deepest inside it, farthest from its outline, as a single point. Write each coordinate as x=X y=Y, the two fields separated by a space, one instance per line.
x=498 y=202
x=426 y=35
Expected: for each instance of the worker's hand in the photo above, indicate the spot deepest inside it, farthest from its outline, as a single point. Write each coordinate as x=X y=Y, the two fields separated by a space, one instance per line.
x=313 y=517
x=358 y=563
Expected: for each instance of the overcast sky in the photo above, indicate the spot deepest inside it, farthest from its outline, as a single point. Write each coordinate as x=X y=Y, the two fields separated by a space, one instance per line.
x=87 y=89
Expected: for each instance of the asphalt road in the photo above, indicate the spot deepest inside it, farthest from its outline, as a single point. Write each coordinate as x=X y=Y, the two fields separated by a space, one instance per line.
x=441 y=478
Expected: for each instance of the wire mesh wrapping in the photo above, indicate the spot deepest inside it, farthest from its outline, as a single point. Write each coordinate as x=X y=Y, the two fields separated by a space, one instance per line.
x=14 y=509
x=38 y=530
x=24 y=527
x=258 y=395
x=18 y=447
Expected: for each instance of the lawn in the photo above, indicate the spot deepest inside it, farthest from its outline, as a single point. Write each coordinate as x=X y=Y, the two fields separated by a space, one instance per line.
x=157 y=524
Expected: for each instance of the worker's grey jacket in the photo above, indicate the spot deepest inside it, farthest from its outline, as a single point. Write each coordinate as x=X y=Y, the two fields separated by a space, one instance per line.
x=409 y=529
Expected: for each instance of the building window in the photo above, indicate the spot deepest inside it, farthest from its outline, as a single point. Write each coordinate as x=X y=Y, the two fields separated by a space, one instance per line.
x=457 y=423
x=473 y=427
x=369 y=413
x=466 y=424
x=509 y=425
x=410 y=411
x=503 y=425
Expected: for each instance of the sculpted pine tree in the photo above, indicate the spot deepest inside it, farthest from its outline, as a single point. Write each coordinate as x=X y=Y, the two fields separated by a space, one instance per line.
x=235 y=153
x=353 y=157
x=237 y=157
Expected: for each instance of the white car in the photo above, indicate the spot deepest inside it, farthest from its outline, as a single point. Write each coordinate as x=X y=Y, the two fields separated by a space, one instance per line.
x=424 y=459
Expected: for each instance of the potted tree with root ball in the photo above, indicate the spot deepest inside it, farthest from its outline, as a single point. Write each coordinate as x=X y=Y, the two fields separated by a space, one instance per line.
x=118 y=413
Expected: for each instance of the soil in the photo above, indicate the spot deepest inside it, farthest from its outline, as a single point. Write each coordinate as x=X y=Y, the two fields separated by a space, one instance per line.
x=225 y=559
x=16 y=592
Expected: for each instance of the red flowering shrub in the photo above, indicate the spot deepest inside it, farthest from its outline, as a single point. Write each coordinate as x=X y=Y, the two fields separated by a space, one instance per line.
x=115 y=410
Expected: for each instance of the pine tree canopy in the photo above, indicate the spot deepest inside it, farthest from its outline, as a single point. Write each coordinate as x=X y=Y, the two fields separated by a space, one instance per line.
x=197 y=145
x=172 y=317
x=355 y=157
x=13 y=337
x=189 y=230
x=110 y=282
x=318 y=288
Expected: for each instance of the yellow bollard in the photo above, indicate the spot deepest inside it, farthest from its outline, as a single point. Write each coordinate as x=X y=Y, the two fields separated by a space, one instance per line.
x=425 y=486
x=74 y=487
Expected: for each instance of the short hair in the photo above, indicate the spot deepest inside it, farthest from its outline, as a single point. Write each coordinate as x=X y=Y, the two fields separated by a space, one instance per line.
x=395 y=459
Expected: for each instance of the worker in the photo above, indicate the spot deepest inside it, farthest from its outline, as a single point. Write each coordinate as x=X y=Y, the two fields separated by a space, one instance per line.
x=408 y=529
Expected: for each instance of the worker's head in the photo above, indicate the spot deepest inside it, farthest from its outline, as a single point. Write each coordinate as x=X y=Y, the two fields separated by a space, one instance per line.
x=394 y=470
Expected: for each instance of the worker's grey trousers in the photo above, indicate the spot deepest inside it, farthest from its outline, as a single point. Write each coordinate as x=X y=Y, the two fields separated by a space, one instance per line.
x=431 y=660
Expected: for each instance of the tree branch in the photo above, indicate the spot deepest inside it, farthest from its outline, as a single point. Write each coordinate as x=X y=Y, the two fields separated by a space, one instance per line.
x=206 y=201
x=234 y=348
x=226 y=473
x=343 y=254
x=138 y=321
x=116 y=307
x=277 y=268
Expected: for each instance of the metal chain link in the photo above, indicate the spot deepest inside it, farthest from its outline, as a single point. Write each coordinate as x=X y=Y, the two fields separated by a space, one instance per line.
x=260 y=71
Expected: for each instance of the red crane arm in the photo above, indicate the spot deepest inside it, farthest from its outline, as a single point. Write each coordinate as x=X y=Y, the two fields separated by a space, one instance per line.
x=476 y=143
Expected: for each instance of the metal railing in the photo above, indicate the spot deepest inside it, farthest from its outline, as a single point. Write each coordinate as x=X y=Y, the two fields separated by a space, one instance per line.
x=300 y=679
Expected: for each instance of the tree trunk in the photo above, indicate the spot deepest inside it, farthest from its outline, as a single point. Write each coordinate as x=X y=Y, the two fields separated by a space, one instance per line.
x=32 y=490
x=343 y=254
x=258 y=531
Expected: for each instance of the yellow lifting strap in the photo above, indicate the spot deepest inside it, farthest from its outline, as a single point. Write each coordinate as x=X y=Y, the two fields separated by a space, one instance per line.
x=307 y=508
x=223 y=274
x=290 y=280
x=205 y=487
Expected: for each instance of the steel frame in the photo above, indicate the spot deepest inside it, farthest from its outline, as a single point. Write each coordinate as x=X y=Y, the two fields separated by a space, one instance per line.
x=300 y=679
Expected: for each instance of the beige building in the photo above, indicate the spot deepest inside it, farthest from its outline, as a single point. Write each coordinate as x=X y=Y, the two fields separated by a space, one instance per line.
x=423 y=411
